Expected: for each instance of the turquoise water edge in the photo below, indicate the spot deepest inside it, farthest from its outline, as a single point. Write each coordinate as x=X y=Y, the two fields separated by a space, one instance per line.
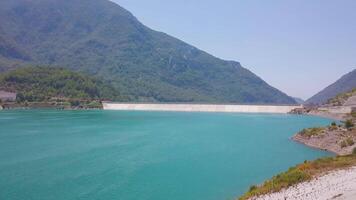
x=60 y=155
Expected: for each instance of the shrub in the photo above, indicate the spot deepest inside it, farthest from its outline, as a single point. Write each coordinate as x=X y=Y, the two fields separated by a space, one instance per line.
x=333 y=124
x=65 y=104
x=94 y=104
x=311 y=131
x=347 y=142
x=353 y=114
x=74 y=103
x=252 y=188
x=350 y=141
x=349 y=124
x=354 y=151
x=343 y=144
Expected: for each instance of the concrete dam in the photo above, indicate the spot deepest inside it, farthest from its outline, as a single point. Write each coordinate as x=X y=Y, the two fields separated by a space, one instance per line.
x=200 y=107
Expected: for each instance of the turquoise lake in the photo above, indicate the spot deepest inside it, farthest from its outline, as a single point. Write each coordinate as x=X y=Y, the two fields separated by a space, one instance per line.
x=104 y=155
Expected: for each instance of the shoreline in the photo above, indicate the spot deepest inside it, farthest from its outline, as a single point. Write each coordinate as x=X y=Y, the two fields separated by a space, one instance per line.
x=329 y=141
x=300 y=140
x=337 y=139
x=338 y=184
x=321 y=179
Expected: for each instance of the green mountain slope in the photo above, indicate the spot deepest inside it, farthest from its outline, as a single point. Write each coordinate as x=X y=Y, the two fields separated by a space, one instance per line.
x=344 y=84
x=41 y=84
x=103 y=39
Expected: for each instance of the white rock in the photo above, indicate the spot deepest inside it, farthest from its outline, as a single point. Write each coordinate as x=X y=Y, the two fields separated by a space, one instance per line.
x=337 y=185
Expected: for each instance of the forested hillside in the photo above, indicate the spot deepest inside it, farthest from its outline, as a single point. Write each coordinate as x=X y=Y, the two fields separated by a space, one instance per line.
x=102 y=39
x=44 y=84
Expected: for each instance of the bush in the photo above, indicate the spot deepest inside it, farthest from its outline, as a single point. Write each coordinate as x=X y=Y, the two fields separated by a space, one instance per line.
x=343 y=144
x=94 y=104
x=347 y=142
x=74 y=103
x=350 y=141
x=353 y=114
x=311 y=132
x=349 y=124
x=65 y=104
x=333 y=124
x=252 y=188
x=354 y=151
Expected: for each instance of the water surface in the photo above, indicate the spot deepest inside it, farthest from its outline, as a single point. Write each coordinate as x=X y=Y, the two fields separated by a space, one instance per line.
x=60 y=155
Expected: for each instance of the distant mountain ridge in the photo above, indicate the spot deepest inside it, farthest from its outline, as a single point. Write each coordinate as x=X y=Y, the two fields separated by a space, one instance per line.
x=345 y=84
x=103 y=39
x=299 y=100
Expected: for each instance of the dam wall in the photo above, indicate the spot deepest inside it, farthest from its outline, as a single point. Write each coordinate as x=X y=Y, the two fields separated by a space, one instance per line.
x=199 y=108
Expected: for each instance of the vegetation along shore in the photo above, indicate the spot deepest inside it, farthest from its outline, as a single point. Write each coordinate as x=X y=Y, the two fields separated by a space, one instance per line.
x=329 y=178
x=339 y=138
x=310 y=180
x=46 y=87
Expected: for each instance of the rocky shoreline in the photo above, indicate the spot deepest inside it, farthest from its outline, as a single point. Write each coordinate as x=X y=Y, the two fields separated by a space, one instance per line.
x=338 y=185
x=336 y=138
x=332 y=141
x=339 y=139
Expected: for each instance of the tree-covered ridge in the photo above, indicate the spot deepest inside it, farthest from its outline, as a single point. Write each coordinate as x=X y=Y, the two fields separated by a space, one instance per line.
x=37 y=84
x=101 y=38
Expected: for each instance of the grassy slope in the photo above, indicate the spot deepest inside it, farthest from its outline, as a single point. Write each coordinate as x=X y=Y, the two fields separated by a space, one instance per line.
x=300 y=173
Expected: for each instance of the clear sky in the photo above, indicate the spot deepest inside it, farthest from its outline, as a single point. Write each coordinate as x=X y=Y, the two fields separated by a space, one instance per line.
x=298 y=46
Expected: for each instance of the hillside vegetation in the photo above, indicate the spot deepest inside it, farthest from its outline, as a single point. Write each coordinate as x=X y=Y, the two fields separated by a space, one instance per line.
x=103 y=39
x=300 y=173
x=342 y=98
x=45 y=84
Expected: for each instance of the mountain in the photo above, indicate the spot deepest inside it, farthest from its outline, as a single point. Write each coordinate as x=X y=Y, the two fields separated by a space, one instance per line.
x=345 y=84
x=299 y=100
x=40 y=84
x=344 y=99
x=101 y=38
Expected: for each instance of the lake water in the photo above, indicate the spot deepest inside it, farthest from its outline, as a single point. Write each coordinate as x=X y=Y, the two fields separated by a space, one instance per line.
x=48 y=154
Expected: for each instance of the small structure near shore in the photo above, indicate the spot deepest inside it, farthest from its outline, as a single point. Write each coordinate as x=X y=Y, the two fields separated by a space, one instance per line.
x=7 y=96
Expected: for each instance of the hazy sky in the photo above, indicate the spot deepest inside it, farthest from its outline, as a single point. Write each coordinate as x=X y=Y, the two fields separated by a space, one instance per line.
x=298 y=46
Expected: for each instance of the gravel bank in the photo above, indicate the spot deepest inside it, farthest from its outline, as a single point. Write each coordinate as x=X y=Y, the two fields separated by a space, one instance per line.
x=336 y=185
